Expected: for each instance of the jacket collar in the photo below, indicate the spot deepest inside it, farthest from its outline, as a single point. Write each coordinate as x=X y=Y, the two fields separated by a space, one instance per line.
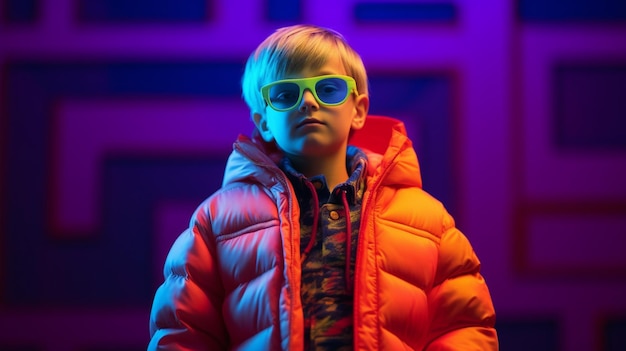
x=382 y=139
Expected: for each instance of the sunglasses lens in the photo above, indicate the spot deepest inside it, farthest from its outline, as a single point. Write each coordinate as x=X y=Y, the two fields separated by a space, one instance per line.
x=284 y=95
x=331 y=90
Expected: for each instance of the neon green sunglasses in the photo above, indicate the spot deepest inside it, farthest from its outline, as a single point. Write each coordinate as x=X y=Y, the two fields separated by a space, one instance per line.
x=328 y=90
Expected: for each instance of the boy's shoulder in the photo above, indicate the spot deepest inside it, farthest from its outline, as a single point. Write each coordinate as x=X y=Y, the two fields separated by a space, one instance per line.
x=416 y=208
x=240 y=195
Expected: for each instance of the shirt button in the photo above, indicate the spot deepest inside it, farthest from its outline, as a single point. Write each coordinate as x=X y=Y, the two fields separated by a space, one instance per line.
x=334 y=215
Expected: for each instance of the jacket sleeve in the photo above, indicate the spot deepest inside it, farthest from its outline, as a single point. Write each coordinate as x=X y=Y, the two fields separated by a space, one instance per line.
x=461 y=311
x=186 y=311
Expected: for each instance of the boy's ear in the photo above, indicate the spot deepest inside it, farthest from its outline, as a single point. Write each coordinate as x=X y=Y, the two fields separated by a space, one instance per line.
x=361 y=107
x=260 y=121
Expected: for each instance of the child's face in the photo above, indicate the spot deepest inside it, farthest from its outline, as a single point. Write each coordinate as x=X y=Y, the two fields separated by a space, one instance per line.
x=312 y=129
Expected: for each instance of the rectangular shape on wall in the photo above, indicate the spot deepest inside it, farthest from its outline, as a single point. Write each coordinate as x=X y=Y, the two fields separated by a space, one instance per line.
x=571 y=10
x=590 y=105
x=283 y=10
x=615 y=334
x=140 y=11
x=389 y=12
x=537 y=334
x=571 y=239
x=20 y=11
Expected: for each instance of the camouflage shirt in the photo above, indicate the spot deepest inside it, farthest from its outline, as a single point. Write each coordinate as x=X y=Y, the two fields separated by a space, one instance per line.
x=326 y=282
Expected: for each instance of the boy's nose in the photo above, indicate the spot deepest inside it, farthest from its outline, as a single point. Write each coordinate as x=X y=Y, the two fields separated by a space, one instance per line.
x=308 y=101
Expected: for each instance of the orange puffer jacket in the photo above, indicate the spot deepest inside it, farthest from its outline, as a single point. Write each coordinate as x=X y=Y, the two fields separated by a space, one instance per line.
x=232 y=280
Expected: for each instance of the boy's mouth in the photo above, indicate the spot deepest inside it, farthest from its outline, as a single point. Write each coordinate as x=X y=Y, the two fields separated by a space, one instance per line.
x=308 y=121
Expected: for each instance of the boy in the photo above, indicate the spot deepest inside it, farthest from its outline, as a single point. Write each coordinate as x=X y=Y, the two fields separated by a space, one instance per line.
x=314 y=244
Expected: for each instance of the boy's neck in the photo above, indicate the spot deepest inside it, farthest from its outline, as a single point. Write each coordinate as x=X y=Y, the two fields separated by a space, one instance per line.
x=332 y=167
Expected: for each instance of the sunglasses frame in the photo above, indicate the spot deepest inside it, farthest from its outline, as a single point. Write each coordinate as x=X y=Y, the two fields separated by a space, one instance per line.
x=308 y=83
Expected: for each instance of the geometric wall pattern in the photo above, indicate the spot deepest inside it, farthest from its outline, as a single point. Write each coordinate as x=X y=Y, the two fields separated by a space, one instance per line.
x=45 y=269
x=103 y=157
x=568 y=208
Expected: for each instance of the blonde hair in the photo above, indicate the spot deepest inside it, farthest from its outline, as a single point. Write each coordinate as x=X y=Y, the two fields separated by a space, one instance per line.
x=292 y=49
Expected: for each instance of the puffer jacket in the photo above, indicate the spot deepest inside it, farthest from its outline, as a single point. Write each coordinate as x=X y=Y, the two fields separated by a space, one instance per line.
x=232 y=279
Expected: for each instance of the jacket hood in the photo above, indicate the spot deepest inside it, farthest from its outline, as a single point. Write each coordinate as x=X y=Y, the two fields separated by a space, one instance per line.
x=387 y=146
x=252 y=160
x=383 y=139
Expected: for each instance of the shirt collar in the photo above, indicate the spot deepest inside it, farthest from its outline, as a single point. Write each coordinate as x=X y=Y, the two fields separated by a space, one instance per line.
x=356 y=164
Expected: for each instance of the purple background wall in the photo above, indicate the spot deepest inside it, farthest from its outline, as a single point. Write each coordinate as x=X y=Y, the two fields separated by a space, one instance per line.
x=116 y=118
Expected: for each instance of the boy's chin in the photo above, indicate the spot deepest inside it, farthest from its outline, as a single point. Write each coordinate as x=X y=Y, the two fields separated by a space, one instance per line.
x=313 y=151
